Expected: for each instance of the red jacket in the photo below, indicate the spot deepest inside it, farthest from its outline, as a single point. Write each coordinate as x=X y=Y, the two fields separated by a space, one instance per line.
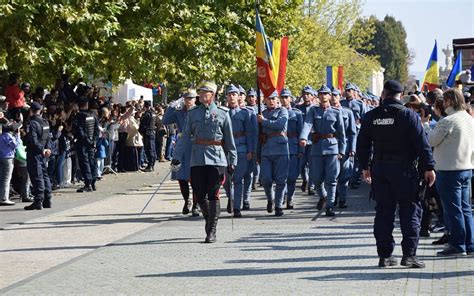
x=14 y=96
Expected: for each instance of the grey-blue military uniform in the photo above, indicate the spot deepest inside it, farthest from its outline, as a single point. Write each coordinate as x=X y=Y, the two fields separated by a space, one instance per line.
x=274 y=156
x=328 y=142
x=216 y=127
x=178 y=116
x=347 y=161
x=248 y=180
x=295 y=126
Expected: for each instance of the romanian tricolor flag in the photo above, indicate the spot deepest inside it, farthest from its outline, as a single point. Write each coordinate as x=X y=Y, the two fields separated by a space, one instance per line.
x=271 y=61
x=456 y=71
x=335 y=77
x=431 y=79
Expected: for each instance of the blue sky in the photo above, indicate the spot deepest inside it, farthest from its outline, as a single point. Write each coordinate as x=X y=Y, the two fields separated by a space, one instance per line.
x=425 y=21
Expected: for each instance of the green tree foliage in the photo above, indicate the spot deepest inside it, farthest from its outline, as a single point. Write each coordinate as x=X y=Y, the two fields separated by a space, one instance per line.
x=180 y=42
x=389 y=45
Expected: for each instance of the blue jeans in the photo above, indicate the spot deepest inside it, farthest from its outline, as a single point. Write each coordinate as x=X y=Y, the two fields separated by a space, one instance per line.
x=454 y=189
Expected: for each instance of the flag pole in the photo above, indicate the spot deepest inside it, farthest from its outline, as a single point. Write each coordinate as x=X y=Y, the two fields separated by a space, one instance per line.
x=259 y=103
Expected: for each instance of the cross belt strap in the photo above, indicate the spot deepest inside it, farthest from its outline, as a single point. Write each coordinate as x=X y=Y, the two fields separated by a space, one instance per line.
x=209 y=142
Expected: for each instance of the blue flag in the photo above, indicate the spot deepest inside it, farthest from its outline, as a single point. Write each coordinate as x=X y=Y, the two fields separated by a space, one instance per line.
x=456 y=71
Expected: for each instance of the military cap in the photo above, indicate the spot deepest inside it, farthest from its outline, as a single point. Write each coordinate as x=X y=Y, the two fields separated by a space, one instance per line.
x=274 y=94
x=394 y=86
x=208 y=86
x=260 y=93
x=190 y=93
x=357 y=89
x=308 y=89
x=336 y=92
x=285 y=93
x=324 y=89
x=232 y=89
x=241 y=90
x=251 y=92
x=36 y=106
x=350 y=86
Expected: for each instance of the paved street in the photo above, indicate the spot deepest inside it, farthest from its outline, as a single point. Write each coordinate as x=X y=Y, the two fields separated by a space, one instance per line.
x=97 y=243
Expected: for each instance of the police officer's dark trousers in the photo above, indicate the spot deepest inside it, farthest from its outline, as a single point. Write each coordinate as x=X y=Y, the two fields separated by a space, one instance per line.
x=36 y=165
x=87 y=163
x=396 y=184
x=150 y=151
x=206 y=181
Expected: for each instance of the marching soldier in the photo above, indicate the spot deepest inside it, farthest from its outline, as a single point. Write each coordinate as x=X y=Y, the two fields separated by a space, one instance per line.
x=396 y=136
x=329 y=146
x=85 y=127
x=244 y=139
x=252 y=105
x=177 y=114
x=358 y=109
x=295 y=125
x=274 y=152
x=147 y=129
x=347 y=161
x=38 y=150
x=210 y=129
x=306 y=175
x=248 y=178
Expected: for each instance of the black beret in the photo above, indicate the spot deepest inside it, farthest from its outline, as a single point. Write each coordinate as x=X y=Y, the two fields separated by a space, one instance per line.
x=393 y=85
x=36 y=106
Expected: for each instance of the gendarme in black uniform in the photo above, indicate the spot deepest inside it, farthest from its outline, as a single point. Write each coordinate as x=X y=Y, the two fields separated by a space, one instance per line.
x=85 y=127
x=147 y=129
x=398 y=141
x=37 y=143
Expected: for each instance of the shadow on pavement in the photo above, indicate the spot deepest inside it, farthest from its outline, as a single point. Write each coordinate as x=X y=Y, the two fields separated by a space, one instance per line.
x=390 y=276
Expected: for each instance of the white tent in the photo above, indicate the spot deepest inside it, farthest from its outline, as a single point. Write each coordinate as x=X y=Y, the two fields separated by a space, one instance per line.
x=129 y=91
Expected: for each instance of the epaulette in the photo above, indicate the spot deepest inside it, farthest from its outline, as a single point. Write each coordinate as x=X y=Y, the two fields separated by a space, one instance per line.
x=223 y=108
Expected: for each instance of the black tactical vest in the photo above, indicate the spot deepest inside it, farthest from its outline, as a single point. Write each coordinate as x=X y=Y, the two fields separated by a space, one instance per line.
x=387 y=133
x=89 y=125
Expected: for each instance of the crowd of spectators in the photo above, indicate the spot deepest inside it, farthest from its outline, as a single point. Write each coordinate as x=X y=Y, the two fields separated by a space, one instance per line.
x=118 y=149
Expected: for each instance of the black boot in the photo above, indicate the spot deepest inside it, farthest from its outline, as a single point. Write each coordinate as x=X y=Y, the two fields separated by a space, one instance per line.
x=229 y=206
x=303 y=186
x=47 y=202
x=214 y=213
x=86 y=188
x=205 y=213
x=36 y=205
x=187 y=205
x=195 y=210
x=412 y=262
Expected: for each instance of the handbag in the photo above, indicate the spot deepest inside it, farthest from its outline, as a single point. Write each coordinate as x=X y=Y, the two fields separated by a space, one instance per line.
x=20 y=153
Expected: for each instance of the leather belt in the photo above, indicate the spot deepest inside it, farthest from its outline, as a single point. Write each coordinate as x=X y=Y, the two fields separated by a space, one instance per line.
x=208 y=142
x=317 y=136
x=292 y=135
x=276 y=134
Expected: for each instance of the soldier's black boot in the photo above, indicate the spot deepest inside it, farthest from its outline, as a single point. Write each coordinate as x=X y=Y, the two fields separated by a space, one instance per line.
x=195 y=210
x=330 y=212
x=303 y=186
x=205 y=213
x=47 y=202
x=86 y=188
x=36 y=205
x=229 y=206
x=214 y=213
x=412 y=262
x=321 y=203
x=186 y=206
x=389 y=261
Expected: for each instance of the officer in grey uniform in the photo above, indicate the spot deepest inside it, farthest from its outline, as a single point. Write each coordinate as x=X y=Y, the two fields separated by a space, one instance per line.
x=85 y=127
x=213 y=151
x=295 y=125
x=347 y=161
x=38 y=141
x=275 y=157
x=308 y=94
x=329 y=146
